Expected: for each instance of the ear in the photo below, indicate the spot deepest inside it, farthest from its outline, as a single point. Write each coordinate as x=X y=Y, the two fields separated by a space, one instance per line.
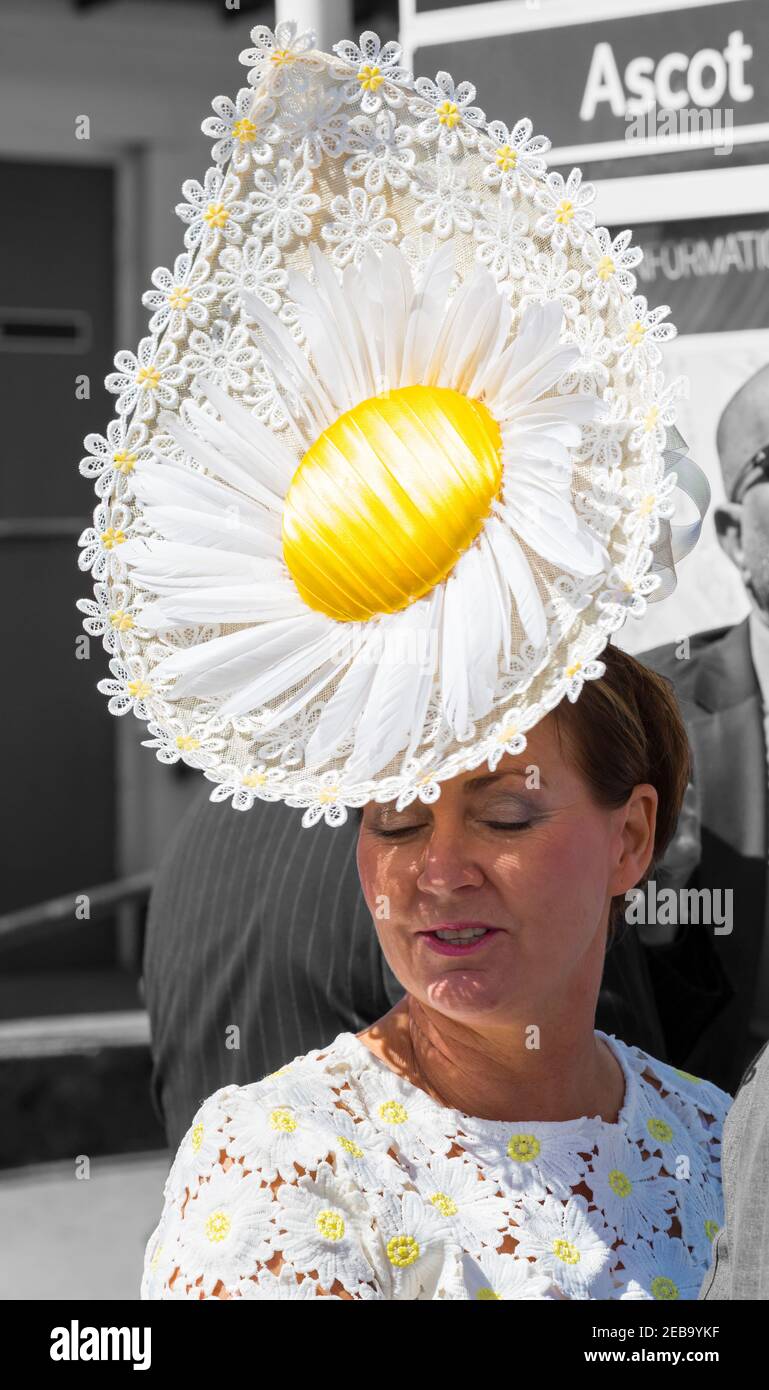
x=728 y=523
x=636 y=824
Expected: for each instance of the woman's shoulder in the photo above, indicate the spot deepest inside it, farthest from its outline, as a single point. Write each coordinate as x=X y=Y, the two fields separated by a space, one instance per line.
x=698 y=1103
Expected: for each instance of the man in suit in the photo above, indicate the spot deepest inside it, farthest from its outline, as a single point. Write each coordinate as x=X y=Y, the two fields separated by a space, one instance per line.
x=711 y=986
x=260 y=946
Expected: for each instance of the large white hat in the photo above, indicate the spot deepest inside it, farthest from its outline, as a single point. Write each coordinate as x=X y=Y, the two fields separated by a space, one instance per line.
x=395 y=458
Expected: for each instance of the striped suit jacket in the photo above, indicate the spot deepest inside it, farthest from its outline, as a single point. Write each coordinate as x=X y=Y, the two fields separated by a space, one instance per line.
x=259 y=946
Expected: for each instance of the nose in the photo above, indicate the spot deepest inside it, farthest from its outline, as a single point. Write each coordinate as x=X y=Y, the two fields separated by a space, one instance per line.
x=447 y=864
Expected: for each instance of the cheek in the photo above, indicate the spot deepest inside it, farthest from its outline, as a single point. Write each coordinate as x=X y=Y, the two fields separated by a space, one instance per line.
x=559 y=874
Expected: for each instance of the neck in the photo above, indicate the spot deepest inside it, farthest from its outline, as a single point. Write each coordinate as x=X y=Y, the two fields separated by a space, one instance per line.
x=497 y=1074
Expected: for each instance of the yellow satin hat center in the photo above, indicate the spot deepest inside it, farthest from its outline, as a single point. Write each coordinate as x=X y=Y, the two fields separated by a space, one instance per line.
x=386 y=500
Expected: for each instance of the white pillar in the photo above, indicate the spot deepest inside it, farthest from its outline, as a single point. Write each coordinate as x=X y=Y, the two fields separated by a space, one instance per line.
x=332 y=20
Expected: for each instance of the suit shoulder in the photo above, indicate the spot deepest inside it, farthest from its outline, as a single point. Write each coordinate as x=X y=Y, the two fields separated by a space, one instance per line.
x=666 y=659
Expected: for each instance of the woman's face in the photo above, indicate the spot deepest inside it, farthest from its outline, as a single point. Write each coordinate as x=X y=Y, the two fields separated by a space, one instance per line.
x=523 y=851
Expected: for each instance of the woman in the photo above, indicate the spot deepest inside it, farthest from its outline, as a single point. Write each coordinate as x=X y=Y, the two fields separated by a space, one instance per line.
x=413 y=467
x=481 y=1140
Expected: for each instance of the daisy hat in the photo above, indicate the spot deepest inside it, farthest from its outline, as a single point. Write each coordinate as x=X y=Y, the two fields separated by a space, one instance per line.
x=396 y=456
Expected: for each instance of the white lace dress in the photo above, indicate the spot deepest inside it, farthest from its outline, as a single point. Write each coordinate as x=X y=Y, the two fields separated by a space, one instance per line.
x=335 y=1178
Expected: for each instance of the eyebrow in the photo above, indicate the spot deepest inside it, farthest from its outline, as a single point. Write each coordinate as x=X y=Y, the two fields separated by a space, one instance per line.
x=476 y=783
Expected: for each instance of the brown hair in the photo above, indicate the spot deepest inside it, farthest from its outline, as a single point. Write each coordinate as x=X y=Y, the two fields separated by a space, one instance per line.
x=625 y=728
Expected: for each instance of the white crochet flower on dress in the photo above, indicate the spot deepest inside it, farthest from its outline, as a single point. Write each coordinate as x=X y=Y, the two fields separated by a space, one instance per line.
x=448 y=115
x=630 y=1190
x=566 y=216
x=360 y=223
x=148 y=381
x=473 y=1210
x=569 y=1243
x=253 y=267
x=284 y=202
x=663 y=1270
x=243 y=129
x=199 y=1149
x=212 y=211
x=489 y=1275
x=181 y=297
x=323 y=1228
x=270 y=1133
x=280 y=60
x=446 y=203
x=378 y=71
x=515 y=161
x=418 y=1249
x=224 y=1227
x=611 y=261
x=276 y=1288
x=534 y=1158
x=381 y=152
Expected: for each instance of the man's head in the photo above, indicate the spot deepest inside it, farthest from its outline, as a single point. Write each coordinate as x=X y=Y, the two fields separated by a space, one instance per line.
x=742 y=522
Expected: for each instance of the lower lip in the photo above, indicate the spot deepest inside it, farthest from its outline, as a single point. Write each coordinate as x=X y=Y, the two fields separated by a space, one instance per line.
x=448 y=948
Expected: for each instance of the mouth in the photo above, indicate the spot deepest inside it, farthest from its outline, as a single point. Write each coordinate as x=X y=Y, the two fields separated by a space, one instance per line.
x=459 y=938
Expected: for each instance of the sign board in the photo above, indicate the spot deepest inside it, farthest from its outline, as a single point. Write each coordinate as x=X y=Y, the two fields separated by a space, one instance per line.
x=599 y=83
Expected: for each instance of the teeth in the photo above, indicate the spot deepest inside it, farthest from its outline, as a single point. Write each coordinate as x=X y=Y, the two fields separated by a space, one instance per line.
x=472 y=934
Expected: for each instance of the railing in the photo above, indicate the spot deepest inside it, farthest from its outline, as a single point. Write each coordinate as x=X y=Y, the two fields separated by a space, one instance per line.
x=127 y=895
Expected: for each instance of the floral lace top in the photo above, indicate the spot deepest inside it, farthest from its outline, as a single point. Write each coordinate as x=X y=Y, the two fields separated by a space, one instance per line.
x=334 y=1177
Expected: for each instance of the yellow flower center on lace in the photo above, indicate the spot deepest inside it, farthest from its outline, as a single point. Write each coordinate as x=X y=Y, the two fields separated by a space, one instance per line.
x=647 y=503
x=448 y=114
x=196 y=1138
x=605 y=268
x=179 y=298
x=392 y=1113
x=279 y=56
x=387 y=499
x=255 y=779
x=445 y=1204
x=121 y=620
x=139 y=689
x=283 y=1121
x=711 y=1230
x=487 y=1293
x=566 y=1251
x=216 y=215
x=523 y=1147
x=660 y=1130
x=402 y=1251
x=687 y=1075
x=651 y=417
x=123 y=462
x=370 y=77
x=564 y=212
x=148 y=377
x=620 y=1183
x=664 y=1288
x=218 y=1226
x=635 y=333
x=244 y=131
x=330 y=1224
x=186 y=742
x=155 y=1261
x=350 y=1146
x=507 y=158
x=573 y=669
x=110 y=538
